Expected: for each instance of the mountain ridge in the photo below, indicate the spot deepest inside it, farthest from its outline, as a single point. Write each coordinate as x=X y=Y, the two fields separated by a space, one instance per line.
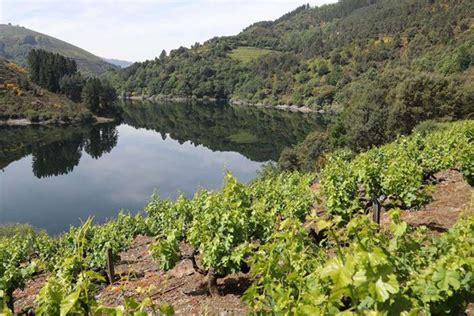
x=17 y=41
x=118 y=62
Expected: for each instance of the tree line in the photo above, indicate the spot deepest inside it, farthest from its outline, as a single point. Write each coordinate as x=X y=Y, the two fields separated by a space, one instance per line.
x=59 y=74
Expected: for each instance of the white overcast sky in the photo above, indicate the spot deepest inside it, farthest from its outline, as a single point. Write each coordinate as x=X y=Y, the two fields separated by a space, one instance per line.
x=136 y=30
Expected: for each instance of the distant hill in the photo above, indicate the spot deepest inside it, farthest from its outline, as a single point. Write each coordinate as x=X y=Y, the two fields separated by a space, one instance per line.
x=22 y=99
x=17 y=41
x=118 y=62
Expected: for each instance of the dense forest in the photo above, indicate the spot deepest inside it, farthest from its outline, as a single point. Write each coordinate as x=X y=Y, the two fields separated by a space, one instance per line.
x=382 y=66
x=314 y=56
x=59 y=74
x=52 y=90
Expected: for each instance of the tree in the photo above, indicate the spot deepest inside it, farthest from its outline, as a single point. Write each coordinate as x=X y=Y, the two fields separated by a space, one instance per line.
x=91 y=94
x=418 y=98
x=108 y=96
x=46 y=69
x=71 y=86
x=163 y=55
x=365 y=118
x=99 y=96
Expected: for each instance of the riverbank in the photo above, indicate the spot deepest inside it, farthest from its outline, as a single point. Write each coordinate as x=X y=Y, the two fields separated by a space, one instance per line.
x=158 y=98
x=232 y=102
x=281 y=107
x=27 y=122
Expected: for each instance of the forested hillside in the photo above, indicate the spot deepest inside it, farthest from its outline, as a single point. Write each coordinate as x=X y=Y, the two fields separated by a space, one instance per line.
x=21 y=98
x=326 y=57
x=51 y=90
x=16 y=42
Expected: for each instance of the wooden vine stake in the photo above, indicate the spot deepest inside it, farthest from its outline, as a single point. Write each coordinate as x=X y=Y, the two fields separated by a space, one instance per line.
x=110 y=266
x=376 y=207
x=10 y=301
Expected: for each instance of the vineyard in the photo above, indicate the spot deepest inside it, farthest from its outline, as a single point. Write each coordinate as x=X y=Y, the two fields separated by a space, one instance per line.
x=307 y=252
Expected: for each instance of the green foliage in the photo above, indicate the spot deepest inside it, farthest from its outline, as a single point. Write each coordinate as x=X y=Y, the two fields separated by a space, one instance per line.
x=221 y=225
x=46 y=69
x=71 y=86
x=133 y=307
x=57 y=73
x=14 y=252
x=396 y=171
x=363 y=269
x=99 y=96
x=395 y=104
x=339 y=185
x=70 y=257
x=10 y=230
x=21 y=98
x=279 y=266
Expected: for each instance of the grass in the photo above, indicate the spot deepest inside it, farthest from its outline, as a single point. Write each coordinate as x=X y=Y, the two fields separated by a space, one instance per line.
x=246 y=54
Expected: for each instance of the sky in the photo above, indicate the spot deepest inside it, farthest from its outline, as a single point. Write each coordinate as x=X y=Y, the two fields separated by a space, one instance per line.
x=136 y=30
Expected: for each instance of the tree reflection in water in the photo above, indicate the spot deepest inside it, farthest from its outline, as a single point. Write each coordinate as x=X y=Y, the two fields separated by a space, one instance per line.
x=55 y=150
x=258 y=134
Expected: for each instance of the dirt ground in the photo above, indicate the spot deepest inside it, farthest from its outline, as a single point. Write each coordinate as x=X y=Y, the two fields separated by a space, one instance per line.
x=182 y=287
x=139 y=275
x=452 y=197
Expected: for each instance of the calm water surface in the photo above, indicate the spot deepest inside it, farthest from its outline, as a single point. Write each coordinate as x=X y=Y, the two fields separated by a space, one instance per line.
x=51 y=177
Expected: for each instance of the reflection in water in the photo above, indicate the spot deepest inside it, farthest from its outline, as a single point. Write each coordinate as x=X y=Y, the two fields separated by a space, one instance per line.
x=96 y=170
x=259 y=134
x=55 y=150
x=56 y=158
x=101 y=140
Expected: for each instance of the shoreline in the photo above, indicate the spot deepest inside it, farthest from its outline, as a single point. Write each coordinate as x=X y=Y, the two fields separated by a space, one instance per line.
x=27 y=122
x=280 y=107
x=232 y=102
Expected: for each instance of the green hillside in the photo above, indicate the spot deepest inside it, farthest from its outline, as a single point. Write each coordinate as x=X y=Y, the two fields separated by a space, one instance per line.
x=313 y=56
x=17 y=41
x=22 y=99
x=248 y=54
x=382 y=65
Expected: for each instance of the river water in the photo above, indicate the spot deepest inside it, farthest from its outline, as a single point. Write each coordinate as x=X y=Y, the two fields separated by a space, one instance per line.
x=53 y=176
